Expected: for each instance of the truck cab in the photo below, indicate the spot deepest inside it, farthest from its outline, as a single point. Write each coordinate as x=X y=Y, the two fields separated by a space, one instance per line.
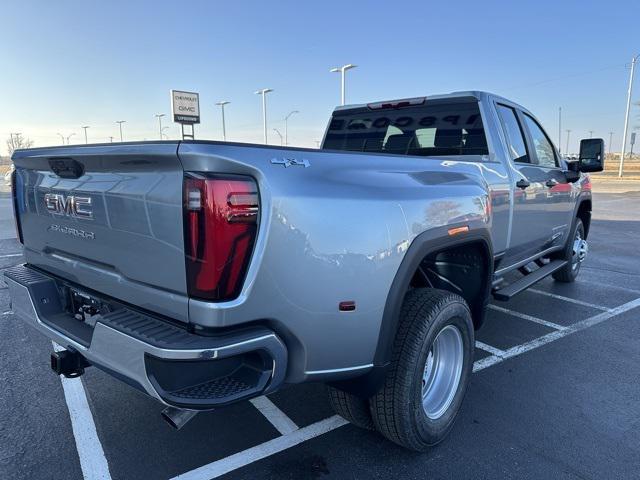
x=533 y=192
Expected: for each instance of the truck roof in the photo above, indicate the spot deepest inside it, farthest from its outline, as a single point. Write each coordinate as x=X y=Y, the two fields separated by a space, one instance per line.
x=478 y=94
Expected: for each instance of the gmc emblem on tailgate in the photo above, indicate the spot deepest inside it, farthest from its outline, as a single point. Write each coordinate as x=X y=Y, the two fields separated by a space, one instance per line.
x=70 y=206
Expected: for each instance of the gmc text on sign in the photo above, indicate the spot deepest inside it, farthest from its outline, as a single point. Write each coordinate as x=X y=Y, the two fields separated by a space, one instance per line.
x=185 y=107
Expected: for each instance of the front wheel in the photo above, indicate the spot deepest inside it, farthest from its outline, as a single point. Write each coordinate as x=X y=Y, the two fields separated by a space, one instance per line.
x=574 y=253
x=429 y=372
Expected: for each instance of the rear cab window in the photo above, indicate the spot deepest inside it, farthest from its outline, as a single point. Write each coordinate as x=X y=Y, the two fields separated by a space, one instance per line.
x=410 y=127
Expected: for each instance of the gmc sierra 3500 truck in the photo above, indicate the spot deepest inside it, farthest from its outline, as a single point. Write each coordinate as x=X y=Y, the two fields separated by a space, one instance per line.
x=205 y=273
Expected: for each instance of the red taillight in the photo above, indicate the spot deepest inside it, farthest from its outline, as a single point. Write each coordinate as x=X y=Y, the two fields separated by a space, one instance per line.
x=221 y=220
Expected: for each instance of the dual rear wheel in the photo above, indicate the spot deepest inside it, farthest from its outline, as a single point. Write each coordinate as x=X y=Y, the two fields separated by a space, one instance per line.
x=431 y=363
x=427 y=378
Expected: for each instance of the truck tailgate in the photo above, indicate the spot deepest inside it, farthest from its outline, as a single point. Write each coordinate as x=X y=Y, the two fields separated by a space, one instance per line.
x=109 y=218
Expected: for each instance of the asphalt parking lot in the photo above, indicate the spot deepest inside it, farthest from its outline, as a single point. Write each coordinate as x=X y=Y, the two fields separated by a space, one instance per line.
x=555 y=394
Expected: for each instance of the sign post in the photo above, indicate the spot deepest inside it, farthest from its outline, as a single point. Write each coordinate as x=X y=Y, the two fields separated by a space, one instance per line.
x=185 y=108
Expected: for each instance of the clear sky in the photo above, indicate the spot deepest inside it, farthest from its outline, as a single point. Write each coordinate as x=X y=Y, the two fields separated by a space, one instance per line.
x=72 y=63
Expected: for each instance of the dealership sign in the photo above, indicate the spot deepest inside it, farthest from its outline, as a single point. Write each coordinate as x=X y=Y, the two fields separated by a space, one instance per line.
x=185 y=107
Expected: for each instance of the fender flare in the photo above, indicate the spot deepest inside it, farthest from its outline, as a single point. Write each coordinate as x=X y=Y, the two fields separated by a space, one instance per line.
x=427 y=242
x=584 y=196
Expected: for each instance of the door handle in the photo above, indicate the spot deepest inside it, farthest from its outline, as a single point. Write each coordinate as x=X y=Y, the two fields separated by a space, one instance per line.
x=552 y=182
x=522 y=183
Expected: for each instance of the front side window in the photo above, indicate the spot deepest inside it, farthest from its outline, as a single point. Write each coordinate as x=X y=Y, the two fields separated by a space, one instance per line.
x=513 y=132
x=434 y=128
x=544 y=148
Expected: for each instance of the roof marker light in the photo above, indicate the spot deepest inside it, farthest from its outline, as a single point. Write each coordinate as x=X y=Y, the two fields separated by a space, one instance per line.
x=405 y=102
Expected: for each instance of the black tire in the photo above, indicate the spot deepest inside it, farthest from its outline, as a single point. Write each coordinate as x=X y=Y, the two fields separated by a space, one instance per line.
x=397 y=409
x=570 y=271
x=350 y=407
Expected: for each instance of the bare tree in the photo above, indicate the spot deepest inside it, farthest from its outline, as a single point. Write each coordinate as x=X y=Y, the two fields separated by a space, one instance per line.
x=17 y=141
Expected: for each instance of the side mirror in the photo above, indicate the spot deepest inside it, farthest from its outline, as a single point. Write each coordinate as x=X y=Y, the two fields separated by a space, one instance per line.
x=573 y=172
x=591 y=158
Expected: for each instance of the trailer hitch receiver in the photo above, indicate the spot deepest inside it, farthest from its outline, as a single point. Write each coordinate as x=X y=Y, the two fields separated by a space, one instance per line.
x=68 y=363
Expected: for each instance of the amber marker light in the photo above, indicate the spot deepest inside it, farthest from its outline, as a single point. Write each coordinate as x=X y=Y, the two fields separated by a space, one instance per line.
x=458 y=230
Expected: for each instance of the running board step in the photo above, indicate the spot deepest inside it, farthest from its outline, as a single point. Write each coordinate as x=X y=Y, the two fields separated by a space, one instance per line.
x=525 y=282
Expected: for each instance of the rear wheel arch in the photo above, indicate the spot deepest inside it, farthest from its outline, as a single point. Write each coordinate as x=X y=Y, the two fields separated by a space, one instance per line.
x=583 y=212
x=428 y=245
x=425 y=244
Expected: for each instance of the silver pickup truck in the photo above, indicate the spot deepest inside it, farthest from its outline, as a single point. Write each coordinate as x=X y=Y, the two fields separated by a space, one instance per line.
x=205 y=273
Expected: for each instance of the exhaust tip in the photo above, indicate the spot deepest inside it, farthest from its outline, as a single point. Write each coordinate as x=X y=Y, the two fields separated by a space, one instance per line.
x=177 y=417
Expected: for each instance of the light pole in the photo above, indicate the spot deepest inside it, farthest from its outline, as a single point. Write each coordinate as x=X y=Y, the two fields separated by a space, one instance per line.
x=120 y=122
x=590 y=133
x=69 y=136
x=62 y=137
x=610 y=141
x=159 y=117
x=224 y=127
x=264 y=92
x=85 y=133
x=279 y=134
x=567 y=149
x=342 y=71
x=111 y=139
x=559 y=129
x=286 y=130
x=626 y=115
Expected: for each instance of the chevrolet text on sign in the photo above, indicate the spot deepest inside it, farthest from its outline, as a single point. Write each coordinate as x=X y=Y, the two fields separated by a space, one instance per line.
x=185 y=107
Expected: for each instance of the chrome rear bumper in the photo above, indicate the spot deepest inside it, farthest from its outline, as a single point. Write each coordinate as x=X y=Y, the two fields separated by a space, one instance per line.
x=167 y=362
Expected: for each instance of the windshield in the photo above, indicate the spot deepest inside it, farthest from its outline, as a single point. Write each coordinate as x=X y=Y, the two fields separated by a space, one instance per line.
x=429 y=129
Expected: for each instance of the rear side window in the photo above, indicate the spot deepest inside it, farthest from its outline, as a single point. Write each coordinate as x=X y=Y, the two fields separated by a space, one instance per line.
x=545 y=154
x=513 y=132
x=429 y=129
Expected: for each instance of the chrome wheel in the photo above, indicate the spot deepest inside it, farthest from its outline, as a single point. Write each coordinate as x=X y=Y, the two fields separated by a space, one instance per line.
x=442 y=372
x=580 y=250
